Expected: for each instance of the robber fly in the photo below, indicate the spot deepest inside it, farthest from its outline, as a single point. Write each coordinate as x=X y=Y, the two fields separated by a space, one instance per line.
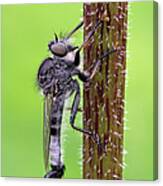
x=55 y=80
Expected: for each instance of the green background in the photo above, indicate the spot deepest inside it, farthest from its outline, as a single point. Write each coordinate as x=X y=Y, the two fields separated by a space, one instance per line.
x=26 y=31
x=139 y=138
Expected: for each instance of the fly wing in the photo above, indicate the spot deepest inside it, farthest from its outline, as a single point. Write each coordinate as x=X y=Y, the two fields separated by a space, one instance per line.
x=46 y=130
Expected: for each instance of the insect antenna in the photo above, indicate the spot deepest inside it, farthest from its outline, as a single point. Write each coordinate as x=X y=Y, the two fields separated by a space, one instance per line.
x=74 y=30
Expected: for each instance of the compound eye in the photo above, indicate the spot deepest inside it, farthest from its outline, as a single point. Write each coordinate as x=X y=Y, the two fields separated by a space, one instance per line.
x=59 y=49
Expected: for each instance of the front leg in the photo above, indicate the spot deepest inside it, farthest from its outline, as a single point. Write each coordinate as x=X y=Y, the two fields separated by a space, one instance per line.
x=83 y=76
x=86 y=76
x=97 y=63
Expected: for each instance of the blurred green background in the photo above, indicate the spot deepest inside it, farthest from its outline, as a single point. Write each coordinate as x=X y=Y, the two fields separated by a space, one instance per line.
x=26 y=31
x=140 y=124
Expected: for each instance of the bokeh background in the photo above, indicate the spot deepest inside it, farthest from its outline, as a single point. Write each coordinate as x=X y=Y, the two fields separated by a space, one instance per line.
x=26 y=31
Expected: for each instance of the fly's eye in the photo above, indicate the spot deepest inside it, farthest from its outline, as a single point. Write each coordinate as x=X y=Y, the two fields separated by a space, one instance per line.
x=59 y=49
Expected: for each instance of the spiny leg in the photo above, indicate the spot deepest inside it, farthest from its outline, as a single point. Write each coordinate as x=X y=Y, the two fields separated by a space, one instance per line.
x=97 y=63
x=74 y=112
x=77 y=55
x=98 y=23
x=74 y=108
x=86 y=76
x=90 y=35
x=74 y=30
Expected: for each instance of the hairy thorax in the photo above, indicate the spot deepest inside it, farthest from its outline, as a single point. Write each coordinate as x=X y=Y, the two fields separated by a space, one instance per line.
x=62 y=70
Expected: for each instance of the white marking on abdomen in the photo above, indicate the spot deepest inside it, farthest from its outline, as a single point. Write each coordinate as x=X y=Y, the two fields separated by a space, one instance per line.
x=54 y=150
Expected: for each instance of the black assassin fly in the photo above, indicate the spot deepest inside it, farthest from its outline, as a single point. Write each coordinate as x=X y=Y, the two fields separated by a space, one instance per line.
x=55 y=78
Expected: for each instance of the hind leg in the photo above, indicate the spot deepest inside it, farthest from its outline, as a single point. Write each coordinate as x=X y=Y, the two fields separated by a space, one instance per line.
x=74 y=110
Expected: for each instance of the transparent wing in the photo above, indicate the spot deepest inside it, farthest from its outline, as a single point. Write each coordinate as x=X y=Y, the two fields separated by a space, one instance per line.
x=46 y=130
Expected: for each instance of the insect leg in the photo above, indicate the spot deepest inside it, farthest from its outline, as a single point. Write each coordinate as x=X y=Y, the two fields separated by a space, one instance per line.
x=75 y=109
x=94 y=136
x=74 y=30
x=85 y=76
x=97 y=63
x=91 y=34
x=77 y=56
